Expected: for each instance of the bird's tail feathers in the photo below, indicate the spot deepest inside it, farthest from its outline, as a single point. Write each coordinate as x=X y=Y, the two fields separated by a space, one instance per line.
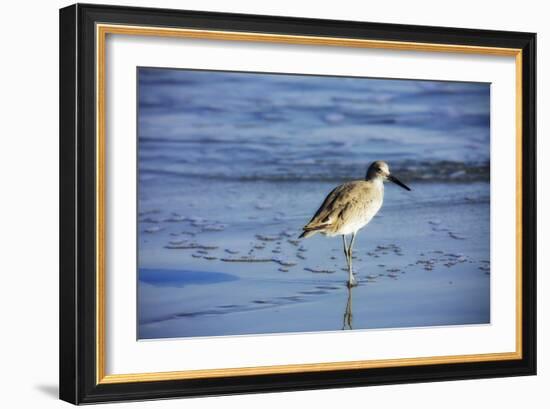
x=307 y=233
x=310 y=231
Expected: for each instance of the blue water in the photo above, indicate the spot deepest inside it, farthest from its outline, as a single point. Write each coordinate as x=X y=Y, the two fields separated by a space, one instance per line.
x=282 y=127
x=231 y=165
x=179 y=278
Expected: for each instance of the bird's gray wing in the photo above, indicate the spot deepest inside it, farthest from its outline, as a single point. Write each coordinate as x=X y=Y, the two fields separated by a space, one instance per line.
x=339 y=200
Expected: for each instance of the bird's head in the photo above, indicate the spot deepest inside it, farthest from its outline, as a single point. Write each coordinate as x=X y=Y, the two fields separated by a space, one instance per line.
x=381 y=170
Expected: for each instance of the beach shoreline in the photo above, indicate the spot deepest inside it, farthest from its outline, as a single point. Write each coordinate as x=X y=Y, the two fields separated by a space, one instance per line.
x=418 y=263
x=232 y=165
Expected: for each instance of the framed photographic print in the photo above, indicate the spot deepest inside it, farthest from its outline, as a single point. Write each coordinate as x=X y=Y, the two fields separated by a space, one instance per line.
x=258 y=203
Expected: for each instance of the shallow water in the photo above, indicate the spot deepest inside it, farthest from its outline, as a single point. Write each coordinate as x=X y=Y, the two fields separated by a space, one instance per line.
x=231 y=166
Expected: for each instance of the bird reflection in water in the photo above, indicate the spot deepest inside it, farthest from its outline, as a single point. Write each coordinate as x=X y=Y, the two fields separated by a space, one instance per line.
x=348 y=313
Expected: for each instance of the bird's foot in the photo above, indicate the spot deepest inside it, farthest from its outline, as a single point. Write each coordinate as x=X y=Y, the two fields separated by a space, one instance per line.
x=352 y=282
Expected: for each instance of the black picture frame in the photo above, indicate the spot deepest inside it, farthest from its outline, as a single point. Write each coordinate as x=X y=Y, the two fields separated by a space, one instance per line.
x=78 y=355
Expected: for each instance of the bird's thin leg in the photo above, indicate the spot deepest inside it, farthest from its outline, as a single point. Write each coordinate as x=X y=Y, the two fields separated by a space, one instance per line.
x=350 y=248
x=345 y=249
x=352 y=281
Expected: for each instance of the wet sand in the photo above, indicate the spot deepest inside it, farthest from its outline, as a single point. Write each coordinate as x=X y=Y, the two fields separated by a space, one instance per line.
x=232 y=165
x=423 y=261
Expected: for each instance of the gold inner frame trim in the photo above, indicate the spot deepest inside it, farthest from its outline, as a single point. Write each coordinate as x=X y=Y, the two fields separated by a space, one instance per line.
x=101 y=33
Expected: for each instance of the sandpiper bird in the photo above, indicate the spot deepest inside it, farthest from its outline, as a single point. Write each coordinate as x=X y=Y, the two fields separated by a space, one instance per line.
x=350 y=207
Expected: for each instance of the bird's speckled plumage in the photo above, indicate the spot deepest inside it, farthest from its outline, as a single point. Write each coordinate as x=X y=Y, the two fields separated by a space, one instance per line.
x=350 y=207
x=347 y=208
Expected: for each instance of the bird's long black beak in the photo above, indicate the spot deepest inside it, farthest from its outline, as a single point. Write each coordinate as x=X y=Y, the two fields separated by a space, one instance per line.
x=398 y=182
